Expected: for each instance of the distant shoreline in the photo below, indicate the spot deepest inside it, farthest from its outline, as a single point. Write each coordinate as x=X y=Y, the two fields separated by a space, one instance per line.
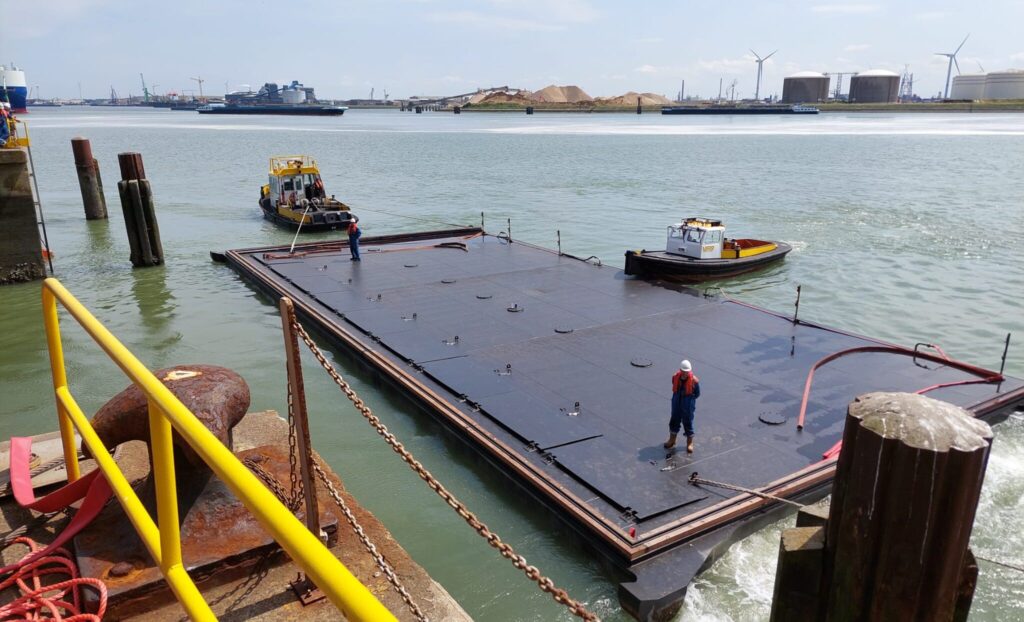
x=966 y=107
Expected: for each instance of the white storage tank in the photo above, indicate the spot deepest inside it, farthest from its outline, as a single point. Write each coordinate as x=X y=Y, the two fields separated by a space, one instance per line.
x=292 y=95
x=876 y=86
x=805 y=87
x=968 y=86
x=1004 y=85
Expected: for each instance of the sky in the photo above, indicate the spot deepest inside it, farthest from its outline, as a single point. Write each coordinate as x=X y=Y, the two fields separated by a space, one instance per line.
x=344 y=48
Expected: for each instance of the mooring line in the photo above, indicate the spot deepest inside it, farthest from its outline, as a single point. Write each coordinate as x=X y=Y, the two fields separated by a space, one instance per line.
x=998 y=563
x=532 y=572
x=695 y=479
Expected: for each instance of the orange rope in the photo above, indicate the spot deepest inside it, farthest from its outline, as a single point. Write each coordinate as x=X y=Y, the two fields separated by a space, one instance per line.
x=58 y=601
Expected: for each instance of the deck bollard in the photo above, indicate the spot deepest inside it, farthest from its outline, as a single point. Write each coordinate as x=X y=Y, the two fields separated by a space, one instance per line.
x=894 y=546
x=139 y=212
x=89 y=180
x=639 y=108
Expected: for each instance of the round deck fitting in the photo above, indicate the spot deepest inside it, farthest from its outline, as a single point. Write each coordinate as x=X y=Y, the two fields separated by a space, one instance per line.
x=484 y=296
x=515 y=308
x=411 y=265
x=447 y=281
x=772 y=418
x=563 y=330
x=639 y=361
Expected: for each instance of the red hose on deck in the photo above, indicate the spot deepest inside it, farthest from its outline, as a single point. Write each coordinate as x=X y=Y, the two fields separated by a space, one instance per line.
x=984 y=375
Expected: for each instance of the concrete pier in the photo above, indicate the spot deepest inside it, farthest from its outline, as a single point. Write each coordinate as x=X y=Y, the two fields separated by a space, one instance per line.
x=21 y=252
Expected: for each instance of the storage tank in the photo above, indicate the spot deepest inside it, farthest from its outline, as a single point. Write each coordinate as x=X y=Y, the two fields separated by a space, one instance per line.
x=968 y=86
x=1004 y=85
x=805 y=87
x=876 y=86
x=292 y=95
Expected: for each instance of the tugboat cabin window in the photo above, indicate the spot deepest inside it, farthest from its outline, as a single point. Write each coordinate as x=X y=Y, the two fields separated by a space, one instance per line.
x=713 y=237
x=287 y=186
x=693 y=235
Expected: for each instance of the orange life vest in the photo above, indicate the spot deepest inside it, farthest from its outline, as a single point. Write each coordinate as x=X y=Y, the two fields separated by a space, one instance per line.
x=687 y=384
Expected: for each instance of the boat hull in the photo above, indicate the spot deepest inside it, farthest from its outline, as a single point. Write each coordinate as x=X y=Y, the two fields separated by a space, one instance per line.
x=330 y=220
x=662 y=265
x=733 y=110
x=300 y=110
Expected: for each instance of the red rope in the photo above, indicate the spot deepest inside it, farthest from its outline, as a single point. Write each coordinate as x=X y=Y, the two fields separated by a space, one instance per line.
x=60 y=600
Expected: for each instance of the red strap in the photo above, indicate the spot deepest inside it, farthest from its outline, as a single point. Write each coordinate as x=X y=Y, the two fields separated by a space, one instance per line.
x=91 y=487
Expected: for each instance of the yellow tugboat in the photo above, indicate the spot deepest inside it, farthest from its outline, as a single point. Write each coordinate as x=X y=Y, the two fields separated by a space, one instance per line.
x=295 y=197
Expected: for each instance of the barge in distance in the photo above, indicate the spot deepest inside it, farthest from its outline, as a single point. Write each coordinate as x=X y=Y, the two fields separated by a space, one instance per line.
x=696 y=250
x=293 y=99
x=758 y=109
x=315 y=110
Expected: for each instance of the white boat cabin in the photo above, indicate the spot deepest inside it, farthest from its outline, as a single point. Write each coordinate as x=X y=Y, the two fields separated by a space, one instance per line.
x=698 y=238
x=294 y=181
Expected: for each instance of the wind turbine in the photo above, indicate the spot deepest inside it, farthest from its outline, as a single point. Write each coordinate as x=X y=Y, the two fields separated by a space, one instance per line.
x=760 y=62
x=952 y=61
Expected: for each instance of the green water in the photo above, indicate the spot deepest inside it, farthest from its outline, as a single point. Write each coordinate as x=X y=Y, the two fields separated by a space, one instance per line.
x=905 y=227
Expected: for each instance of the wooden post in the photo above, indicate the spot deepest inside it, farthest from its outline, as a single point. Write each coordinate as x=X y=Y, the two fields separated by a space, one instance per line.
x=89 y=179
x=903 y=503
x=139 y=212
x=906 y=490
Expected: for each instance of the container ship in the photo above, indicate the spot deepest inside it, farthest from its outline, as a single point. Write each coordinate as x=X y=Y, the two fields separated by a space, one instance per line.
x=13 y=88
x=293 y=99
x=758 y=109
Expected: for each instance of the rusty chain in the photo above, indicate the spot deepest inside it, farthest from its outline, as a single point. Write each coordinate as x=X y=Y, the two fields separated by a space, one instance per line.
x=382 y=563
x=293 y=453
x=518 y=561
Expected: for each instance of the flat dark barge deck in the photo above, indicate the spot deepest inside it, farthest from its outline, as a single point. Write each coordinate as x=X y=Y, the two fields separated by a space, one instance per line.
x=558 y=372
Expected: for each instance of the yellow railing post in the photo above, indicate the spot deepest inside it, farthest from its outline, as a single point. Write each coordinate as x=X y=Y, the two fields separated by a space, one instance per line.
x=162 y=446
x=166 y=414
x=60 y=379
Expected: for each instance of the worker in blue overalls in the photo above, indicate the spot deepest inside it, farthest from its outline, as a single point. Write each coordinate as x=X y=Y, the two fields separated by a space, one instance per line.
x=354 y=233
x=685 y=391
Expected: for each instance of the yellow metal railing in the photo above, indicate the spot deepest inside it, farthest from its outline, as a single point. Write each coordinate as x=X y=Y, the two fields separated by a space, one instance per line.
x=166 y=412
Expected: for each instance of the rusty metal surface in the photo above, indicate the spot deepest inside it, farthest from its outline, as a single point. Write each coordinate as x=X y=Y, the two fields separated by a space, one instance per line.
x=221 y=540
x=216 y=395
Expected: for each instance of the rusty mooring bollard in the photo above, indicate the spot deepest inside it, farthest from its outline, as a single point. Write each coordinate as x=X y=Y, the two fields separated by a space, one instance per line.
x=139 y=212
x=894 y=546
x=89 y=180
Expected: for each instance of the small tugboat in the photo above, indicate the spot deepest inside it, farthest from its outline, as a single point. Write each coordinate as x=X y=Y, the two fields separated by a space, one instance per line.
x=295 y=197
x=697 y=250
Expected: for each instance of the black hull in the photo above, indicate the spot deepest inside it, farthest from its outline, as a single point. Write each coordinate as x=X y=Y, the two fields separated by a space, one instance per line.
x=724 y=110
x=327 y=224
x=662 y=265
x=303 y=111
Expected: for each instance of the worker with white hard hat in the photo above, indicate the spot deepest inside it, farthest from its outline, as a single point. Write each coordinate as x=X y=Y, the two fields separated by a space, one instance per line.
x=685 y=391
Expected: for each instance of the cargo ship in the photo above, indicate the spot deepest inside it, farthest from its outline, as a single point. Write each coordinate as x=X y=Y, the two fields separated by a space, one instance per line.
x=756 y=109
x=293 y=99
x=13 y=87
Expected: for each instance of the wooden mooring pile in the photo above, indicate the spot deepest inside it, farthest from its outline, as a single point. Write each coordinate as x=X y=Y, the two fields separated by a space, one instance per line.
x=894 y=543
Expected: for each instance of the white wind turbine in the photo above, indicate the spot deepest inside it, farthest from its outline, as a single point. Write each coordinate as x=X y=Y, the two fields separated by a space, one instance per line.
x=952 y=61
x=760 y=62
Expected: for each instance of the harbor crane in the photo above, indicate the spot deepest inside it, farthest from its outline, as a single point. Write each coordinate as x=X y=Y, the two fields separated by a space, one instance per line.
x=952 y=61
x=145 y=91
x=200 y=81
x=760 y=63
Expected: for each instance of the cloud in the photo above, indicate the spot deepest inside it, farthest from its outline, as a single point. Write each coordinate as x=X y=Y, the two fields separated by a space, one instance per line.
x=930 y=16
x=649 y=40
x=475 y=18
x=38 y=19
x=730 y=66
x=857 y=47
x=1017 y=56
x=646 y=69
x=569 y=11
x=845 y=9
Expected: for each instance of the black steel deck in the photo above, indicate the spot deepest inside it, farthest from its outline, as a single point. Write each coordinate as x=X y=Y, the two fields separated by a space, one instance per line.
x=502 y=340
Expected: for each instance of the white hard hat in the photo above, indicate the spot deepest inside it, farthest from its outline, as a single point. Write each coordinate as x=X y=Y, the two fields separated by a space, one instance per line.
x=685 y=365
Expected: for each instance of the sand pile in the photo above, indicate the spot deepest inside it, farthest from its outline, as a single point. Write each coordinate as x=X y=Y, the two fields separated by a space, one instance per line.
x=552 y=94
x=502 y=97
x=629 y=99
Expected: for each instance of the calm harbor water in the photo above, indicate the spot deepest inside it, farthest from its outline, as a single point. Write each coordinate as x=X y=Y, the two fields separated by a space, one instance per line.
x=906 y=227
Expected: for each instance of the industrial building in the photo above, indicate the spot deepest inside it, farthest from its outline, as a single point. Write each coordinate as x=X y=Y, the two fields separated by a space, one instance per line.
x=968 y=86
x=805 y=87
x=876 y=86
x=1007 y=84
x=1004 y=85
